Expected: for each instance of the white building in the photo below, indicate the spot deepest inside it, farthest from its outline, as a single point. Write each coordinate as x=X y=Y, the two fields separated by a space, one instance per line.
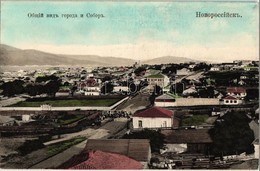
x=121 y=89
x=183 y=72
x=26 y=118
x=154 y=117
x=92 y=91
x=157 y=79
x=230 y=100
x=164 y=100
x=215 y=68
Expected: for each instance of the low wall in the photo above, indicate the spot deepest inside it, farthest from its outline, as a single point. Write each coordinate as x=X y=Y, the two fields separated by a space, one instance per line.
x=196 y=101
x=189 y=102
x=34 y=109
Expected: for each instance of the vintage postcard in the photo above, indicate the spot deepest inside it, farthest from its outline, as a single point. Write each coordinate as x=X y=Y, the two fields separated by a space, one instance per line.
x=129 y=85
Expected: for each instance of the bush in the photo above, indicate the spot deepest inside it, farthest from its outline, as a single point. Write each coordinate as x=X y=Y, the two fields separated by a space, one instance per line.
x=30 y=146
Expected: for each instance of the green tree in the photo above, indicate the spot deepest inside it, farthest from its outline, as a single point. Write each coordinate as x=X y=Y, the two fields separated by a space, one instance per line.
x=232 y=135
x=139 y=70
x=31 y=90
x=52 y=87
x=107 y=88
x=46 y=78
x=157 y=90
x=13 y=88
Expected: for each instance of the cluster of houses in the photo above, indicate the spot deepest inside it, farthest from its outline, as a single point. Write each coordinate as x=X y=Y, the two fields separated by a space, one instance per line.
x=89 y=81
x=246 y=65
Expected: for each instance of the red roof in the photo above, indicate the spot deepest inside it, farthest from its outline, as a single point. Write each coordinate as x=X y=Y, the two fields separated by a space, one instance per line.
x=230 y=98
x=82 y=85
x=155 y=112
x=103 y=160
x=91 y=82
x=236 y=90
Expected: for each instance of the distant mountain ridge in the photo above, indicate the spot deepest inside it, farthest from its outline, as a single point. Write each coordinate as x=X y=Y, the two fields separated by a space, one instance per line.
x=13 y=56
x=168 y=59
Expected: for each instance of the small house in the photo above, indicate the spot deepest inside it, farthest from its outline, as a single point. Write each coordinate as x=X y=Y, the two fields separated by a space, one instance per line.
x=154 y=117
x=195 y=140
x=231 y=100
x=236 y=91
x=189 y=91
x=164 y=100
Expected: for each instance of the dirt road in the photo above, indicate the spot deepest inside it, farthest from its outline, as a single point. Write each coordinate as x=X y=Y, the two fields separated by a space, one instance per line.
x=109 y=129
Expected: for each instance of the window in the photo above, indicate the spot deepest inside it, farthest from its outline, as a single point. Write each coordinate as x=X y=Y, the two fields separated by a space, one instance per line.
x=235 y=101
x=140 y=124
x=227 y=101
x=164 y=124
x=231 y=101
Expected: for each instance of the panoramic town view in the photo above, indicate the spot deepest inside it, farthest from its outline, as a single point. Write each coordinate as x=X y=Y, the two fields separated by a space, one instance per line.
x=129 y=86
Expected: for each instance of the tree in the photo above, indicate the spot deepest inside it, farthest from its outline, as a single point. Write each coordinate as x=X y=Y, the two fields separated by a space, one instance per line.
x=73 y=89
x=139 y=70
x=107 y=88
x=180 y=87
x=170 y=70
x=52 y=87
x=157 y=90
x=232 y=135
x=202 y=66
x=31 y=90
x=13 y=88
x=152 y=98
x=46 y=78
x=106 y=78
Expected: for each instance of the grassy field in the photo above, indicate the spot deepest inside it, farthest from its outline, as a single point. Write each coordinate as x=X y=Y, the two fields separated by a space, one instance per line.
x=71 y=119
x=67 y=103
x=195 y=120
x=61 y=146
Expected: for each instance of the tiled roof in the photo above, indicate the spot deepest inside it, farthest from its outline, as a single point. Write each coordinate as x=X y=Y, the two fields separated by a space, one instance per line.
x=103 y=160
x=154 y=112
x=164 y=96
x=236 y=90
x=187 y=136
x=91 y=82
x=156 y=76
x=230 y=98
x=137 y=149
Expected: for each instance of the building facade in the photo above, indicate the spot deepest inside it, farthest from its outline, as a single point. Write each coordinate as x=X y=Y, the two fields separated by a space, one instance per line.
x=154 y=117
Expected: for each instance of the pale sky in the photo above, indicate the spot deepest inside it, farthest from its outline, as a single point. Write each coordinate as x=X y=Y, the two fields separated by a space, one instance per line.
x=136 y=30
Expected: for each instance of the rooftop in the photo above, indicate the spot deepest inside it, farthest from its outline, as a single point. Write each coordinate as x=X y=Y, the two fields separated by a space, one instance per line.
x=236 y=90
x=230 y=98
x=154 y=112
x=137 y=149
x=165 y=96
x=101 y=160
x=187 y=136
x=155 y=76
